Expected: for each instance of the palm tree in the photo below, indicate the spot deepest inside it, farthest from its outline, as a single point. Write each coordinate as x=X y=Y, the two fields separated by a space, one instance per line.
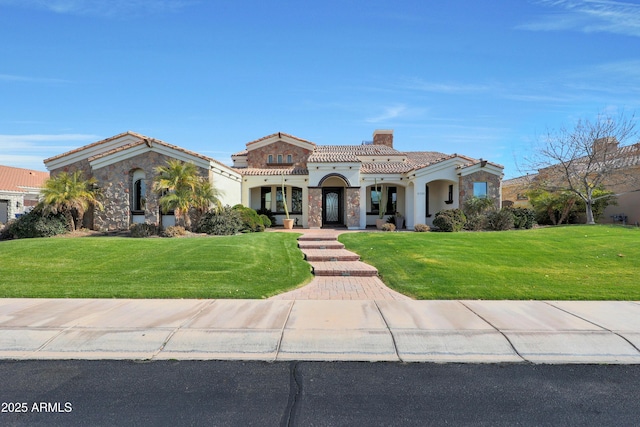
x=205 y=197
x=181 y=189
x=70 y=194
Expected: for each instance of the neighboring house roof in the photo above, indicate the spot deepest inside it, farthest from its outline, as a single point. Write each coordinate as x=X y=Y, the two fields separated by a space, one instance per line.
x=17 y=179
x=521 y=180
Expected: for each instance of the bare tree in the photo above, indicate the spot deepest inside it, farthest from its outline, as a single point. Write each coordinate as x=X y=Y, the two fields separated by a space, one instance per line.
x=591 y=155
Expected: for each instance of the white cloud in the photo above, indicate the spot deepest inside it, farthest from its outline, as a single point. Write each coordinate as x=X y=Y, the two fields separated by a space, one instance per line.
x=106 y=8
x=30 y=79
x=589 y=16
x=28 y=151
x=393 y=112
x=450 y=88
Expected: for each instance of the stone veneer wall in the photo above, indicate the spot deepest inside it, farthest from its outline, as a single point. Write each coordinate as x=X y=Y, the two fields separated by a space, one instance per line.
x=353 y=207
x=115 y=182
x=257 y=158
x=315 y=208
x=493 y=186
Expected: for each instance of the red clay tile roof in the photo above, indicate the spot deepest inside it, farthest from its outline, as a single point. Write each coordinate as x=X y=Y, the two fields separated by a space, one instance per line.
x=143 y=140
x=12 y=179
x=272 y=171
x=93 y=144
x=349 y=153
x=150 y=141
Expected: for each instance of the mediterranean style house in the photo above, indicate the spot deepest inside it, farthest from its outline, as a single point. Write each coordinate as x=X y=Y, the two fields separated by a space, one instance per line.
x=324 y=185
x=19 y=191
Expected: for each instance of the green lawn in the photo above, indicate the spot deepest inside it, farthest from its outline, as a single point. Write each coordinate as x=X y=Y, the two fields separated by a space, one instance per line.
x=561 y=263
x=256 y=265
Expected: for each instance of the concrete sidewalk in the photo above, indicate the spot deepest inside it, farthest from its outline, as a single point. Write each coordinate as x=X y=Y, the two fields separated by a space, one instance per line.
x=365 y=330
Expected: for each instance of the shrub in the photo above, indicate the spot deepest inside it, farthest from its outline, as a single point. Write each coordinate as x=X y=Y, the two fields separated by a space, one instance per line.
x=500 y=220
x=476 y=222
x=450 y=220
x=388 y=227
x=268 y=214
x=251 y=221
x=225 y=222
x=421 y=228
x=143 y=230
x=174 y=231
x=523 y=217
x=35 y=224
x=266 y=221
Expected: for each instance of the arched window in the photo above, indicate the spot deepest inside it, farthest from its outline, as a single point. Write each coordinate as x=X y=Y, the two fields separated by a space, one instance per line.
x=139 y=192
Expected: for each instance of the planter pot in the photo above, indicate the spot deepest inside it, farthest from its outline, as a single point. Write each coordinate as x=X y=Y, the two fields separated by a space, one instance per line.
x=399 y=223
x=288 y=224
x=380 y=223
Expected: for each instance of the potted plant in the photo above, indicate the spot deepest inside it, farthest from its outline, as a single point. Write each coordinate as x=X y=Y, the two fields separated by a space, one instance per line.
x=399 y=221
x=287 y=222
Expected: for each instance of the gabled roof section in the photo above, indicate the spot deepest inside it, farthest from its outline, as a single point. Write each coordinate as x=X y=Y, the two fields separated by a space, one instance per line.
x=95 y=144
x=280 y=136
x=149 y=142
x=17 y=179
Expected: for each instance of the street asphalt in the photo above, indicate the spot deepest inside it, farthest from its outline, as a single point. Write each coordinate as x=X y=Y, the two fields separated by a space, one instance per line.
x=539 y=332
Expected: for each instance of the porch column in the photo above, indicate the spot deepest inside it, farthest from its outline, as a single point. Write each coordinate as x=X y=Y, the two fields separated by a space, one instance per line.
x=353 y=208
x=363 y=207
x=315 y=207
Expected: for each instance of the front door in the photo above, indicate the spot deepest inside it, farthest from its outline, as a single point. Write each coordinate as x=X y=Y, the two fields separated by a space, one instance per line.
x=332 y=210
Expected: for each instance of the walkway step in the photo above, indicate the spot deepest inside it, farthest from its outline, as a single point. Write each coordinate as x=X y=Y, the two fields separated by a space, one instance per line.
x=324 y=244
x=343 y=268
x=330 y=255
x=316 y=238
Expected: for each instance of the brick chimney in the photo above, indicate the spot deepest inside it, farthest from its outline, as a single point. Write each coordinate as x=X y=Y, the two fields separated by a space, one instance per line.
x=383 y=137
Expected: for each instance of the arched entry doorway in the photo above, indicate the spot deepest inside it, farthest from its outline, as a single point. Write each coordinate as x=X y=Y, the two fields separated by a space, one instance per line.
x=333 y=200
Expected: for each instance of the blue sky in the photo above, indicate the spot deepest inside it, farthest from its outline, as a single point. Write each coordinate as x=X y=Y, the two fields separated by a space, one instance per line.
x=481 y=78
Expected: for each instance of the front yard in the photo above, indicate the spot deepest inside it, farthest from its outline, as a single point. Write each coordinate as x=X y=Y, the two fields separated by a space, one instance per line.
x=561 y=263
x=254 y=265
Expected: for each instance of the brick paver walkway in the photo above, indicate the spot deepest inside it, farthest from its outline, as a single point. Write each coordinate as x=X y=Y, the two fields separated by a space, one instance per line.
x=340 y=275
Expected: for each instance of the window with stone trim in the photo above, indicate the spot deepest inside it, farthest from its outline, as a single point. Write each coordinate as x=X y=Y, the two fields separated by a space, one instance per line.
x=270 y=158
x=480 y=190
x=279 y=158
x=138 y=192
x=289 y=158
